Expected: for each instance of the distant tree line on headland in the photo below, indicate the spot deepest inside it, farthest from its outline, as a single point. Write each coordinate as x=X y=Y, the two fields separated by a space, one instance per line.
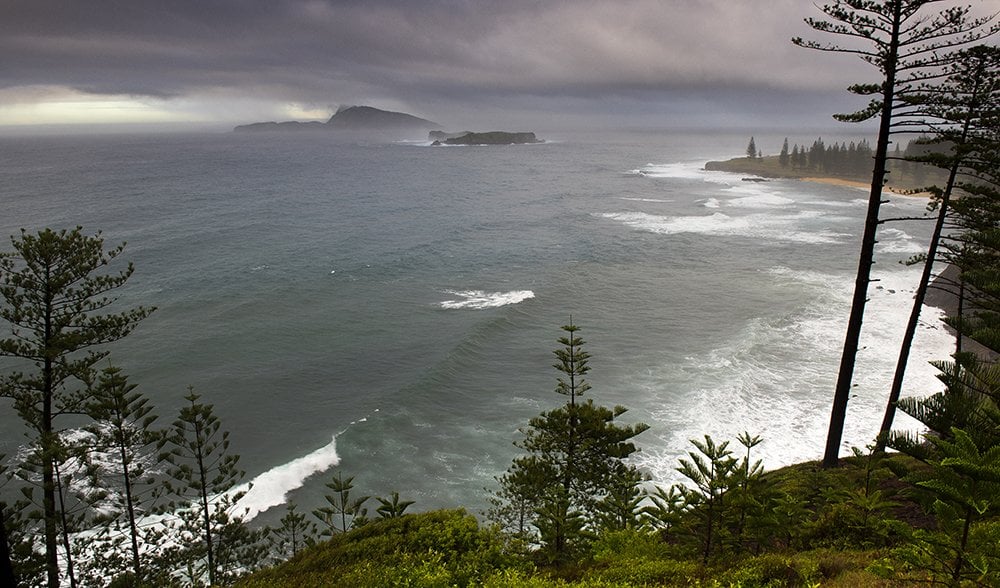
x=840 y=158
x=908 y=168
x=853 y=159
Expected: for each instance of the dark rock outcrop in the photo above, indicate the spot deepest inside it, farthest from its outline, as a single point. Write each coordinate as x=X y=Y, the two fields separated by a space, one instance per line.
x=489 y=138
x=366 y=117
x=443 y=136
x=282 y=126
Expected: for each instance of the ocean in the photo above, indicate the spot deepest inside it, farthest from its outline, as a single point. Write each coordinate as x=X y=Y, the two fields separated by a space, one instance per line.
x=389 y=309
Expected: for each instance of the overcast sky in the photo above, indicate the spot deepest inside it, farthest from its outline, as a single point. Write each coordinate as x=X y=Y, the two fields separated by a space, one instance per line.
x=463 y=63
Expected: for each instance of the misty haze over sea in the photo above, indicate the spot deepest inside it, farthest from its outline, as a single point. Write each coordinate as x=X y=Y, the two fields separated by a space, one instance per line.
x=390 y=309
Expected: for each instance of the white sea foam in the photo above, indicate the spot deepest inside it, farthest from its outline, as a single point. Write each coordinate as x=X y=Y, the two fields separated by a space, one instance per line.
x=776 y=376
x=263 y=492
x=835 y=203
x=687 y=170
x=761 y=200
x=779 y=228
x=270 y=488
x=897 y=241
x=711 y=203
x=657 y=200
x=479 y=299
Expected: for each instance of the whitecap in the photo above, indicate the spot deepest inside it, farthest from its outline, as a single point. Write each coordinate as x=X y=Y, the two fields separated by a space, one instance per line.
x=479 y=299
x=775 y=377
x=685 y=170
x=656 y=200
x=711 y=203
x=270 y=488
x=771 y=227
x=762 y=200
x=896 y=241
x=807 y=277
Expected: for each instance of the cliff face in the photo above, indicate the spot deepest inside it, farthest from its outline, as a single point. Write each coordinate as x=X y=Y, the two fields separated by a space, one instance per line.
x=366 y=117
x=351 y=118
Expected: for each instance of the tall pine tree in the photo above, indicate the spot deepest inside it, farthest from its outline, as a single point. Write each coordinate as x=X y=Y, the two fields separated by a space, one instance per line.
x=53 y=298
x=572 y=475
x=906 y=47
x=203 y=472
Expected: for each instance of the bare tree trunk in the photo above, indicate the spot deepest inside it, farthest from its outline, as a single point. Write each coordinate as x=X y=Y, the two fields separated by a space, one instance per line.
x=914 y=320
x=7 y=577
x=845 y=376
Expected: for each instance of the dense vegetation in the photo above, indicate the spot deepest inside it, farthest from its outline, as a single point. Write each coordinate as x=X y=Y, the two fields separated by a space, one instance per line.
x=123 y=501
x=801 y=526
x=851 y=161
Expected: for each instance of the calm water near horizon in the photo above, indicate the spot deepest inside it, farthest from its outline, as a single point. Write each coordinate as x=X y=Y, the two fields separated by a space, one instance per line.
x=394 y=306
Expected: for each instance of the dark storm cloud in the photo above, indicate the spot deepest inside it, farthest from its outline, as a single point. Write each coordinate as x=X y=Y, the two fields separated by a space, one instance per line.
x=421 y=52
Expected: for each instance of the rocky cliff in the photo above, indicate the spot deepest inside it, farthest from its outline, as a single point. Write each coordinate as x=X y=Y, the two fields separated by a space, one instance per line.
x=351 y=118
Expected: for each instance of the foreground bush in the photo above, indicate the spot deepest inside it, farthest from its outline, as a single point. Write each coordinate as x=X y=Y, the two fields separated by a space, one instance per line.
x=439 y=548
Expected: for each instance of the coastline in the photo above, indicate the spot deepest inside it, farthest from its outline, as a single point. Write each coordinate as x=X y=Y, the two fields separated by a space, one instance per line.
x=862 y=186
x=904 y=183
x=941 y=294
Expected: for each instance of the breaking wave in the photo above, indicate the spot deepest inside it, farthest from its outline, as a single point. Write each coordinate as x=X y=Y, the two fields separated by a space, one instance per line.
x=776 y=377
x=270 y=488
x=479 y=300
x=781 y=228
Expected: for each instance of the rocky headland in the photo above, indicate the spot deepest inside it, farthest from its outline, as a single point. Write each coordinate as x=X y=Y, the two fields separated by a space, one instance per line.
x=488 y=138
x=350 y=118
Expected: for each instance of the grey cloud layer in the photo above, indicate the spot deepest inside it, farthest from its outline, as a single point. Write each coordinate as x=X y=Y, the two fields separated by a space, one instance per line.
x=312 y=50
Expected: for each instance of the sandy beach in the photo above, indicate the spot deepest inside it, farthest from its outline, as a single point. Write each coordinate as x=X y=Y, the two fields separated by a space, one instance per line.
x=863 y=186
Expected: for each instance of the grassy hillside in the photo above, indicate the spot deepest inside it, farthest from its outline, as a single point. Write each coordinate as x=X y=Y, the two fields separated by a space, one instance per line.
x=835 y=528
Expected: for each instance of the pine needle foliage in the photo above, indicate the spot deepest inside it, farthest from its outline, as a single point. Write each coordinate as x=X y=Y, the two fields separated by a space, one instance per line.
x=55 y=301
x=573 y=478
x=202 y=473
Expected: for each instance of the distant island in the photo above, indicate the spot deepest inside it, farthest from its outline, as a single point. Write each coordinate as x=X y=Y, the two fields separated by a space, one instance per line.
x=350 y=118
x=488 y=138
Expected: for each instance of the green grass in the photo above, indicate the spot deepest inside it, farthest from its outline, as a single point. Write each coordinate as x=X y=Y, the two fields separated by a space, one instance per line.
x=835 y=547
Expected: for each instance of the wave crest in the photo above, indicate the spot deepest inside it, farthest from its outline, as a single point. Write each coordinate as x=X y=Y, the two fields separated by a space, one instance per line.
x=270 y=488
x=478 y=299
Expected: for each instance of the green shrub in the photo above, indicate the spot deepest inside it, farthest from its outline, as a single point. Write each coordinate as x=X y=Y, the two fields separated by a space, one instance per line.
x=772 y=570
x=648 y=572
x=518 y=579
x=439 y=548
x=628 y=544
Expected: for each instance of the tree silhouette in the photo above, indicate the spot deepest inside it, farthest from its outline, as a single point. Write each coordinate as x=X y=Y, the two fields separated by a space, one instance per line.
x=959 y=110
x=573 y=474
x=123 y=438
x=203 y=472
x=51 y=296
x=907 y=48
x=341 y=506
